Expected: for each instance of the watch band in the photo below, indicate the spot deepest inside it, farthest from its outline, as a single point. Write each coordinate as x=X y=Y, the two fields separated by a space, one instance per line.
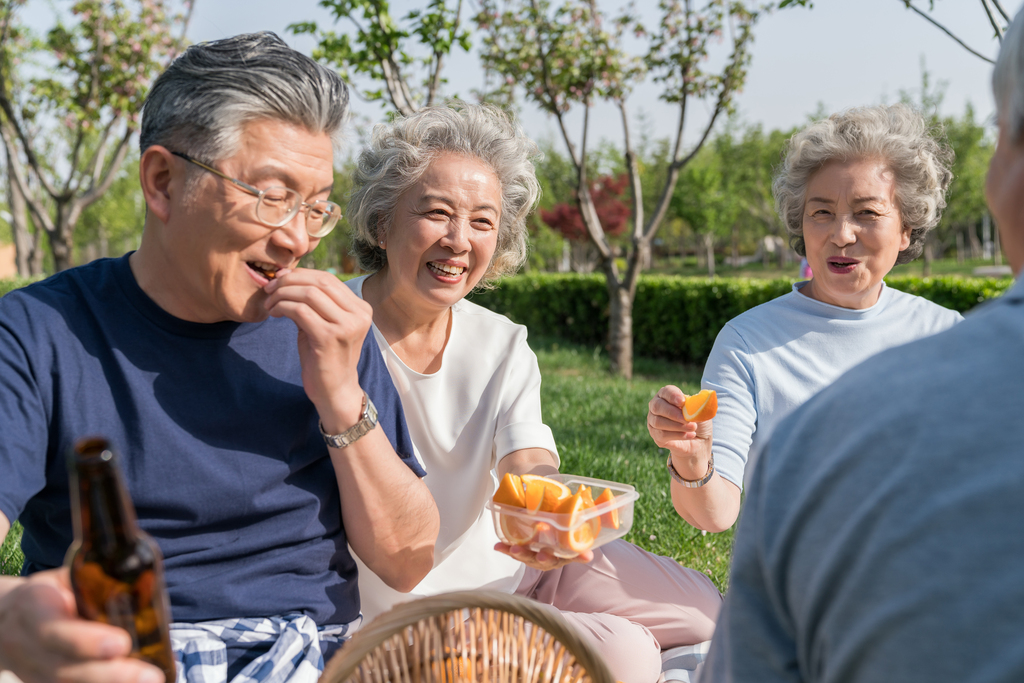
x=692 y=483
x=357 y=431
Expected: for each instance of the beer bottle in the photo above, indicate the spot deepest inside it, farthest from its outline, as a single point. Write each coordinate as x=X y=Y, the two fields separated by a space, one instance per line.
x=116 y=568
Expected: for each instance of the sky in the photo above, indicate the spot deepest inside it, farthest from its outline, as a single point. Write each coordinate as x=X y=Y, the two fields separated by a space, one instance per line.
x=839 y=54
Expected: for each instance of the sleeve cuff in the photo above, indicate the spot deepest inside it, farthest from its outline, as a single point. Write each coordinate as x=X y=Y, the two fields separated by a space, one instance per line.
x=516 y=437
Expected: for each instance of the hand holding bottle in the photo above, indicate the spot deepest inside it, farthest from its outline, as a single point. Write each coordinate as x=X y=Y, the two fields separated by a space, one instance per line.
x=43 y=640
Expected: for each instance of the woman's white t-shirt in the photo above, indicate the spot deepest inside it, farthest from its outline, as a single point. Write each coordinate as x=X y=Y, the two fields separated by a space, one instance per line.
x=483 y=404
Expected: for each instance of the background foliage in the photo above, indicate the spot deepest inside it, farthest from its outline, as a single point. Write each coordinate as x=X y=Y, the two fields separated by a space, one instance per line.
x=678 y=318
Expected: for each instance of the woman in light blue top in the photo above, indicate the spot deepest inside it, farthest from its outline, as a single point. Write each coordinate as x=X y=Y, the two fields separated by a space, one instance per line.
x=858 y=192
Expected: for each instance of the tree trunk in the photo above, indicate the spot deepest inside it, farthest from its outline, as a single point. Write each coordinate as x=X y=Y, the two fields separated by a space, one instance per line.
x=959 y=247
x=620 y=330
x=61 y=244
x=926 y=269
x=700 y=251
x=644 y=255
x=104 y=243
x=972 y=233
x=709 y=248
x=20 y=230
x=997 y=248
x=736 y=246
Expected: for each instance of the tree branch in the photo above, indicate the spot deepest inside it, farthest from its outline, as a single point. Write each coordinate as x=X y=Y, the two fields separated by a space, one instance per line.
x=30 y=155
x=577 y=160
x=180 y=42
x=397 y=88
x=999 y=7
x=633 y=171
x=435 y=77
x=588 y=212
x=108 y=177
x=996 y=26
x=945 y=30
x=38 y=211
x=96 y=163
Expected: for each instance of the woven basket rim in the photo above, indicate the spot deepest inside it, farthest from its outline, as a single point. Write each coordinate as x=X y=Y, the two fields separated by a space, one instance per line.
x=347 y=660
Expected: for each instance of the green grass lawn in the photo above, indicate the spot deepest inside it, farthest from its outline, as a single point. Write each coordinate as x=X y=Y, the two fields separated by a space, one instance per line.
x=599 y=424
x=10 y=552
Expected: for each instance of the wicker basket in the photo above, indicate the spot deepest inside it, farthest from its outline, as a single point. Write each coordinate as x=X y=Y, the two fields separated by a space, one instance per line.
x=468 y=636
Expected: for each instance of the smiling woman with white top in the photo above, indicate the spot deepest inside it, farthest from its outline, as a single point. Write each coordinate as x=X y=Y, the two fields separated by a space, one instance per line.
x=858 y=192
x=440 y=205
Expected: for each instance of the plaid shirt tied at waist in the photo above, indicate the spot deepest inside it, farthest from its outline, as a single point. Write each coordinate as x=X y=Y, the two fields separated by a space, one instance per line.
x=200 y=649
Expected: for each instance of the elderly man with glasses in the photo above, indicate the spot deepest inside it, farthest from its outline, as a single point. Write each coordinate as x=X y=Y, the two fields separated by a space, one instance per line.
x=259 y=429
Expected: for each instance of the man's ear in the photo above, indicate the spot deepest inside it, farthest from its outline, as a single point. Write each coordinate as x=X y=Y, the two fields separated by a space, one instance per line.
x=157 y=172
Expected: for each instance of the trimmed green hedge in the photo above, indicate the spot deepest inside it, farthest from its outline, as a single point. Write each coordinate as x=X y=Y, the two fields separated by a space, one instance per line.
x=674 y=317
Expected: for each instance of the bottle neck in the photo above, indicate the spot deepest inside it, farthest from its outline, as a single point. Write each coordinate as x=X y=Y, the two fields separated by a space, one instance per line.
x=105 y=515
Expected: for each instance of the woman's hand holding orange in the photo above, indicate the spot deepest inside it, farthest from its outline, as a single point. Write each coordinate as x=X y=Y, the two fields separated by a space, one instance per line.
x=689 y=443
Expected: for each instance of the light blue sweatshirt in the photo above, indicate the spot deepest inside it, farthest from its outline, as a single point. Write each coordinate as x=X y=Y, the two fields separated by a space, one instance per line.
x=769 y=360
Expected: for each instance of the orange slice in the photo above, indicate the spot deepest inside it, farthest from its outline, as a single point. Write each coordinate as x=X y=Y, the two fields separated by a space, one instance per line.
x=609 y=519
x=543 y=494
x=515 y=530
x=581 y=535
x=510 y=491
x=701 y=406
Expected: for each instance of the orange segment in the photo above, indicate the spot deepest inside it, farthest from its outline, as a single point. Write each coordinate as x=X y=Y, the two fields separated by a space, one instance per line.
x=543 y=494
x=609 y=519
x=510 y=491
x=701 y=406
x=581 y=537
x=515 y=530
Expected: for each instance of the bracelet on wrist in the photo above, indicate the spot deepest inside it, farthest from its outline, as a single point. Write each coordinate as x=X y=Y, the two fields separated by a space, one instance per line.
x=691 y=483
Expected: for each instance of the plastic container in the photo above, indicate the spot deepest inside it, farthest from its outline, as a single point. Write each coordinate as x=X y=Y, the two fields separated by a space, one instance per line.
x=552 y=531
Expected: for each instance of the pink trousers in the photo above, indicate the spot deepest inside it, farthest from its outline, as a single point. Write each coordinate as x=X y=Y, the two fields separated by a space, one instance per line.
x=630 y=604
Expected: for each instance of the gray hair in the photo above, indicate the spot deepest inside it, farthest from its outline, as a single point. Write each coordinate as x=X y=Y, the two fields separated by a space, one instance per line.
x=1007 y=77
x=899 y=136
x=399 y=154
x=204 y=99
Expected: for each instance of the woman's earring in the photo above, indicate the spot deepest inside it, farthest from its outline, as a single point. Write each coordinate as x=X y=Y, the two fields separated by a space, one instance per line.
x=382 y=244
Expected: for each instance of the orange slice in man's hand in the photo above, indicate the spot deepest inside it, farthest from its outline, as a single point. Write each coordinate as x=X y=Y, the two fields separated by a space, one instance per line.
x=543 y=494
x=701 y=406
x=510 y=491
x=609 y=519
x=581 y=534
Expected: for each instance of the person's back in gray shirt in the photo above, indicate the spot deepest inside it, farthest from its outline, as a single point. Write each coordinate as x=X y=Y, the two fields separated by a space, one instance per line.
x=882 y=538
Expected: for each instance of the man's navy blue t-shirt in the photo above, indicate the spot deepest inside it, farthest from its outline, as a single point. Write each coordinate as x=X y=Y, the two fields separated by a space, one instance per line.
x=219 y=443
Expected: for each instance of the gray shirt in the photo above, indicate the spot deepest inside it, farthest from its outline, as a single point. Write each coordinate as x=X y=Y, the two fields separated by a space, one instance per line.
x=882 y=538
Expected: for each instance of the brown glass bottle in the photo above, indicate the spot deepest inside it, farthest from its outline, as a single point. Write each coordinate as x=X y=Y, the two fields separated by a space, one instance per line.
x=116 y=568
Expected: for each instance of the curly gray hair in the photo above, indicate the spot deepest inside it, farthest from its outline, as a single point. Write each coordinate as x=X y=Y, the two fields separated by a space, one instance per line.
x=919 y=158
x=400 y=152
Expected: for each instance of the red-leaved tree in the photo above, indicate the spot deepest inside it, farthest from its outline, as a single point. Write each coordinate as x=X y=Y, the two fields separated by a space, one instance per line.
x=565 y=218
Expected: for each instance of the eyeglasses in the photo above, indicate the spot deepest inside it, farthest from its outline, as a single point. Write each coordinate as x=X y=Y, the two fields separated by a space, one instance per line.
x=275 y=206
